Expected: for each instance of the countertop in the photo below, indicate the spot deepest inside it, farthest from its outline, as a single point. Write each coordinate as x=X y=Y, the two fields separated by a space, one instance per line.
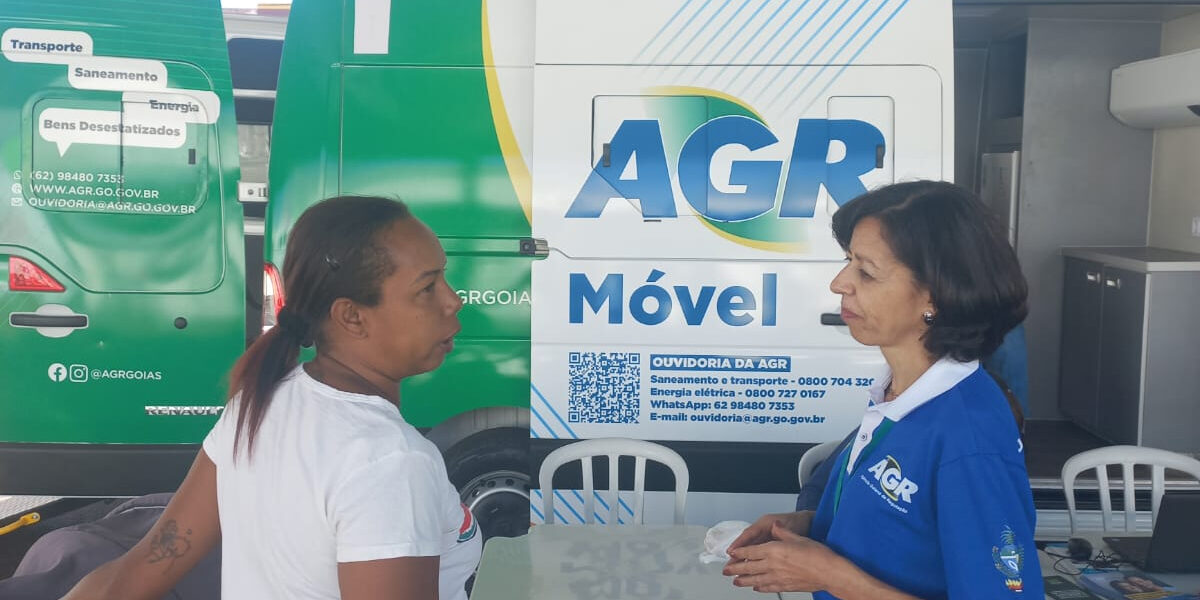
x=1142 y=259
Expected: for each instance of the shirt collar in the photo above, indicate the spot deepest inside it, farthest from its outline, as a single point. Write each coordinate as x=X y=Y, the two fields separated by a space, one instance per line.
x=935 y=381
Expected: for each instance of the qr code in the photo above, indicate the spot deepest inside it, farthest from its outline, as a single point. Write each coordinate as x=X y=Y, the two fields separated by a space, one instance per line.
x=604 y=387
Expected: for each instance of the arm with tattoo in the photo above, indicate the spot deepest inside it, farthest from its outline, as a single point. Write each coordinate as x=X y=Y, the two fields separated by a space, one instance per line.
x=169 y=544
x=185 y=533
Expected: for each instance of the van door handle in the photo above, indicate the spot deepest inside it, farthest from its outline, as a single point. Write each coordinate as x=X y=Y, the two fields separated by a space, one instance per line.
x=880 y=152
x=1113 y=282
x=1093 y=277
x=533 y=247
x=38 y=320
x=832 y=319
x=605 y=155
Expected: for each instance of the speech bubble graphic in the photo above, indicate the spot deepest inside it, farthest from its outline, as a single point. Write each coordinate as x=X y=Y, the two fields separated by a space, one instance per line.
x=66 y=126
x=48 y=46
x=116 y=74
x=196 y=106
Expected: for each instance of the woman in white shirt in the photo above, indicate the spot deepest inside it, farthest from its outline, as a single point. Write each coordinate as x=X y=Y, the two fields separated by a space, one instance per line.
x=313 y=483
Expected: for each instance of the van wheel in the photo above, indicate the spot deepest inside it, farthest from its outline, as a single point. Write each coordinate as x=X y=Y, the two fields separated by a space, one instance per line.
x=491 y=472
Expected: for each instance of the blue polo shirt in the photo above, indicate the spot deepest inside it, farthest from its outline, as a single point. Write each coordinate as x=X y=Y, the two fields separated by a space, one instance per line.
x=934 y=499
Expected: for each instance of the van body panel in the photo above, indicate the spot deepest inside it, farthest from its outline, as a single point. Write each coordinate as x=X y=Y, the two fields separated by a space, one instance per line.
x=118 y=162
x=390 y=137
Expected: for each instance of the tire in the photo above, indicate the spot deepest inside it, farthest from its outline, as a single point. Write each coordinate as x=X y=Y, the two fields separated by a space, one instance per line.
x=491 y=472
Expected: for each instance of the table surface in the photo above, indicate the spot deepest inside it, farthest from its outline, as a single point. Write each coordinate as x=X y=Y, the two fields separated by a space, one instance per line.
x=597 y=562
x=643 y=562
x=1183 y=582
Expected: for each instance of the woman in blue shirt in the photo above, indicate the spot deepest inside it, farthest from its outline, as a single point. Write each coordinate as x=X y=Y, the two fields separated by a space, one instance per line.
x=931 y=500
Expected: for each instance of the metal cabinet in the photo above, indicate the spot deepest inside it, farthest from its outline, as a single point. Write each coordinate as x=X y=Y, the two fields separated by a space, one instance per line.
x=1130 y=369
x=1123 y=302
x=1079 y=369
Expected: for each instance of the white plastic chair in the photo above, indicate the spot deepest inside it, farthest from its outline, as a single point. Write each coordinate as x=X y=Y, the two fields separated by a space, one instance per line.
x=1127 y=457
x=585 y=450
x=812 y=458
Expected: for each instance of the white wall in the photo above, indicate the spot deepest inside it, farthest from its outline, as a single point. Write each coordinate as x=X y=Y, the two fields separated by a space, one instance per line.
x=1084 y=175
x=1175 y=178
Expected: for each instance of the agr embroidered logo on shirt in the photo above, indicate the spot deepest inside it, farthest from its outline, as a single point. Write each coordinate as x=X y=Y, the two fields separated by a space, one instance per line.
x=894 y=484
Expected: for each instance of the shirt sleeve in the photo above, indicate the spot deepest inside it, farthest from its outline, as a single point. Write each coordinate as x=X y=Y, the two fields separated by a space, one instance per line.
x=985 y=521
x=389 y=508
x=219 y=440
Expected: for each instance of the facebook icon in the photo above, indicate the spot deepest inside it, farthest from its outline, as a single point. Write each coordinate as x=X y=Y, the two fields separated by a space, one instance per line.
x=57 y=372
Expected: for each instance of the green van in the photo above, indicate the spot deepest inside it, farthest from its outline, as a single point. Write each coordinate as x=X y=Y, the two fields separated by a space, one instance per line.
x=417 y=121
x=121 y=242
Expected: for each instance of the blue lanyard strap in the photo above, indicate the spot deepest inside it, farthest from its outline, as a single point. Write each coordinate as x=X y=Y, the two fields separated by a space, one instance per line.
x=880 y=432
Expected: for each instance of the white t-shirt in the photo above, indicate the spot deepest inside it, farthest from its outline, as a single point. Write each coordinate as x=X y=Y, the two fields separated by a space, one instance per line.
x=334 y=477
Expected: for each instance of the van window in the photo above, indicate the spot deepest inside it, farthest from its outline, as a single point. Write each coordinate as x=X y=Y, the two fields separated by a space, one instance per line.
x=171 y=175
x=122 y=179
x=71 y=166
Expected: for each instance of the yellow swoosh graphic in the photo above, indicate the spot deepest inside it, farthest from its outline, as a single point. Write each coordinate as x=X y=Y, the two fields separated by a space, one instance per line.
x=518 y=172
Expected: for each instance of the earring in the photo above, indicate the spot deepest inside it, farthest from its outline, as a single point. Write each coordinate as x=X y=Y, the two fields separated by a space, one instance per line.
x=928 y=317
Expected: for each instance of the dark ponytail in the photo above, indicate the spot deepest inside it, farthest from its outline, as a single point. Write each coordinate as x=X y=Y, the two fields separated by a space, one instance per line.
x=333 y=252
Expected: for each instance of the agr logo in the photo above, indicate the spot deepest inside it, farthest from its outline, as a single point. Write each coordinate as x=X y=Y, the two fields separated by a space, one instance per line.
x=640 y=142
x=894 y=484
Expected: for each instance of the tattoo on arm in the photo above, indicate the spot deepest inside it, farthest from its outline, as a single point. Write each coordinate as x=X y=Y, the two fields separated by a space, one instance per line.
x=169 y=545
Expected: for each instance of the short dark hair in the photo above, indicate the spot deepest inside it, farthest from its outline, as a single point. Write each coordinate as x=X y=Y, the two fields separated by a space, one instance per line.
x=958 y=250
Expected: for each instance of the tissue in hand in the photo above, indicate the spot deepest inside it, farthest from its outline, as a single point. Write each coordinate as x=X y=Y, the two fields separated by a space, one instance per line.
x=718 y=538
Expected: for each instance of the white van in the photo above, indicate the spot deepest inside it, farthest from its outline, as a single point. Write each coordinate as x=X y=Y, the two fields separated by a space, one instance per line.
x=635 y=200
